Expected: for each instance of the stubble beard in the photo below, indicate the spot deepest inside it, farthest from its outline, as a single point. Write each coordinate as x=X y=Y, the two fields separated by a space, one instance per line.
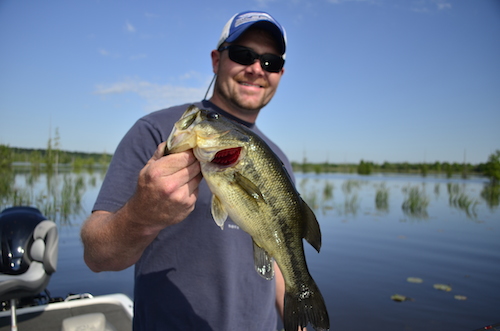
x=235 y=102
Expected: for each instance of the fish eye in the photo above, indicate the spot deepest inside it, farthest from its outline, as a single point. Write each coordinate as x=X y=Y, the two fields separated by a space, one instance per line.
x=213 y=115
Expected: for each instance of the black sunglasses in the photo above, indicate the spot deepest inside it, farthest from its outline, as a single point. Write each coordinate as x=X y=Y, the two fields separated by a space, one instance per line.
x=247 y=56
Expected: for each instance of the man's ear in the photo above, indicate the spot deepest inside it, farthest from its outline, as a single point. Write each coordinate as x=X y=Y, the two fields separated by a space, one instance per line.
x=215 y=60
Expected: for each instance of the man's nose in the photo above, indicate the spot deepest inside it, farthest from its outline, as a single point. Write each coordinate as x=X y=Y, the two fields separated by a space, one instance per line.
x=255 y=68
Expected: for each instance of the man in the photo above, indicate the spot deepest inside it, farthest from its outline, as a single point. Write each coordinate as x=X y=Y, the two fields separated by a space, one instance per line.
x=154 y=211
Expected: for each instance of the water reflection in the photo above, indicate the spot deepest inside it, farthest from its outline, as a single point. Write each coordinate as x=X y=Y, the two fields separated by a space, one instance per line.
x=491 y=195
x=57 y=194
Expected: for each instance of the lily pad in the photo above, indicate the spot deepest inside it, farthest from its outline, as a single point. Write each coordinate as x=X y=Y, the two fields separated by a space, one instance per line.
x=415 y=280
x=400 y=298
x=442 y=287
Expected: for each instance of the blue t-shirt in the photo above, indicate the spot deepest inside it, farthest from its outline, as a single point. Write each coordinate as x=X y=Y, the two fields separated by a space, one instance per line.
x=193 y=276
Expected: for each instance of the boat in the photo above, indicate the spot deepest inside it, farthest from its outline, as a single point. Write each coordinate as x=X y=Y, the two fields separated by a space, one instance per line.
x=28 y=258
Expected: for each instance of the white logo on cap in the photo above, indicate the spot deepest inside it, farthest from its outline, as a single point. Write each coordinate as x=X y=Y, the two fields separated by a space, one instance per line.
x=252 y=17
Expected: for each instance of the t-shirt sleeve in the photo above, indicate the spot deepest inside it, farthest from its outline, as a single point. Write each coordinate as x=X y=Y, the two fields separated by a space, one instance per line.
x=131 y=155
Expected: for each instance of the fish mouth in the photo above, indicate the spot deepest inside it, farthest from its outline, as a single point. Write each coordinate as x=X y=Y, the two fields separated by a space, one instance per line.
x=227 y=157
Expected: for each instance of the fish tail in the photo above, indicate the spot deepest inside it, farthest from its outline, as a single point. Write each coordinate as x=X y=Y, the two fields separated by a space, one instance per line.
x=303 y=307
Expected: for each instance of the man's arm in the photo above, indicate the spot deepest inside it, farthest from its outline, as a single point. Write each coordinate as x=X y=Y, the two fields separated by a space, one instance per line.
x=167 y=189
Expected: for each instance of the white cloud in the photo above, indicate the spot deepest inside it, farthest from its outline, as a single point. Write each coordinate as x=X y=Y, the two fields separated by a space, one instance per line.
x=151 y=15
x=129 y=27
x=443 y=5
x=336 y=2
x=138 y=56
x=157 y=96
x=264 y=3
x=421 y=6
x=429 y=6
x=105 y=52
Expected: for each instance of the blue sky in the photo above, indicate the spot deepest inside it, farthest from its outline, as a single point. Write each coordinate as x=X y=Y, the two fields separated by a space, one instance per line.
x=378 y=80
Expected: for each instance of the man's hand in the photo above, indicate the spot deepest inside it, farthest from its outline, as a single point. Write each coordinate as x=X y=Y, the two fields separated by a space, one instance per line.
x=166 y=192
x=167 y=189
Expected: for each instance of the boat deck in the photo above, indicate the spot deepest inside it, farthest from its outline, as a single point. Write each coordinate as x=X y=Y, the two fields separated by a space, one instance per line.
x=50 y=317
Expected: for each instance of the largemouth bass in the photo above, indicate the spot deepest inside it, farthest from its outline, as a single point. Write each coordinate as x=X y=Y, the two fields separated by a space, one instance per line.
x=250 y=184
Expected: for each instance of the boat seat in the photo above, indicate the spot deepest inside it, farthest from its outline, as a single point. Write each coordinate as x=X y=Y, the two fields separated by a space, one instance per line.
x=28 y=253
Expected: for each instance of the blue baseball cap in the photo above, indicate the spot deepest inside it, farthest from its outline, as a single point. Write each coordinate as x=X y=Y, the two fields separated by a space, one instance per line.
x=240 y=22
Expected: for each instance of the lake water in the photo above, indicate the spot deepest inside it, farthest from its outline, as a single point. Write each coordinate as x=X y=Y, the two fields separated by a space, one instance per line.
x=373 y=248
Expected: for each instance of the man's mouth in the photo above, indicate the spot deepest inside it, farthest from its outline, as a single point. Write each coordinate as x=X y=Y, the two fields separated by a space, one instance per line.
x=251 y=85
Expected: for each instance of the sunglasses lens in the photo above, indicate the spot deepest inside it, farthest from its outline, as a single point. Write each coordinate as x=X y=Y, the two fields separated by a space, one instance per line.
x=242 y=56
x=271 y=62
x=246 y=56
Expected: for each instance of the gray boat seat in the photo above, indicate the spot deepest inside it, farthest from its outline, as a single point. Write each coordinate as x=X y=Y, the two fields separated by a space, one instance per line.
x=28 y=252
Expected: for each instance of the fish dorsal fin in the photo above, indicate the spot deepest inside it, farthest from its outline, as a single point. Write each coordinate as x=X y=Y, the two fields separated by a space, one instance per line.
x=218 y=212
x=312 y=232
x=249 y=187
x=263 y=262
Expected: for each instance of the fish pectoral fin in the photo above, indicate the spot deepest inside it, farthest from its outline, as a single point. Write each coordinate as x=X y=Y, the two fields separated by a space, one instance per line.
x=218 y=212
x=312 y=233
x=247 y=186
x=263 y=262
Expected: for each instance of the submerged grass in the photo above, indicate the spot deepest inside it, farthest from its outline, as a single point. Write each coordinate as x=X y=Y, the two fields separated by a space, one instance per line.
x=382 y=198
x=457 y=198
x=416 y=202
x=59 y=201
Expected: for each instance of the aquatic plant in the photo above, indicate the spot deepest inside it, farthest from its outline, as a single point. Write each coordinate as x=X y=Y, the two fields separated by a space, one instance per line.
x=416 y=202
x=351 y=200
x=351 y=204
x=492 y=168
x=58 y=201
x=457 y=198
x=382 y=198
x=5 y=157
x=328 y=191
x=349 y=185
x=491 y=195
x=437 y=189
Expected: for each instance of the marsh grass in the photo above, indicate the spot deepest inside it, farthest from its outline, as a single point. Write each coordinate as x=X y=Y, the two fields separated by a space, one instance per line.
x=457 y=198
x=59 y=200
x=350 y=185
x=328 y=191
x=491 y=195
x=350 y=189
x=416 y=202
x=382 y=198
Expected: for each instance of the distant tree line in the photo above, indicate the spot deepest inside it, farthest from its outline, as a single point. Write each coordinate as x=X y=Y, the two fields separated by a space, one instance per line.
x=490 y=169
x=51 y=157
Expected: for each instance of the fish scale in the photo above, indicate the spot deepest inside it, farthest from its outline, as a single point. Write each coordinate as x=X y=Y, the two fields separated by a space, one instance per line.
x=257 y=193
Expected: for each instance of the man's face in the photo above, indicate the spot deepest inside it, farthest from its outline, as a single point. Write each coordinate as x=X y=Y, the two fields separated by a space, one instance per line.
x=245 y=88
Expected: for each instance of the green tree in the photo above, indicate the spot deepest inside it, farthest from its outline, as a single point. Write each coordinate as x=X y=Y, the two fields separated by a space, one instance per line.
x=364 y=168
x=492 y=168
x=5 y=157
x=437 y=166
